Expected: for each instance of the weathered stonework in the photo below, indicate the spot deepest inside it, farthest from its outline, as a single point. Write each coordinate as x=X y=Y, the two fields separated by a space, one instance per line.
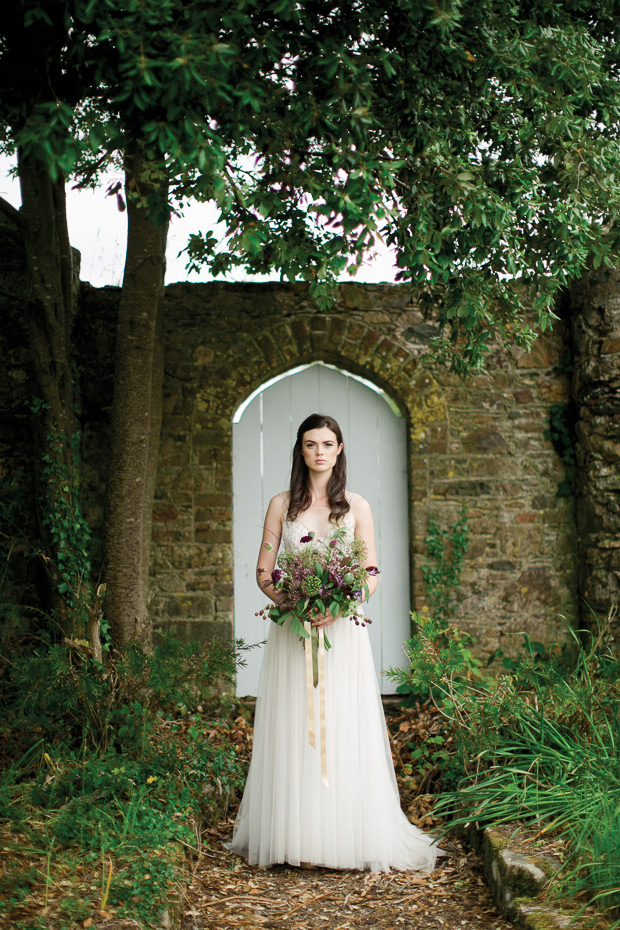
x=595 y=313
x=481 y=443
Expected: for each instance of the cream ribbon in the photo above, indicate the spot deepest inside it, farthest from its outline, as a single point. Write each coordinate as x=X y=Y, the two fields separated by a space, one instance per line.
x=310 y=695
x=309 y=684
x=322 y=706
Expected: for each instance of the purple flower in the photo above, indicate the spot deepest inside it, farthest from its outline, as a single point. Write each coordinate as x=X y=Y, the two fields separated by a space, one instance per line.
x=276 y=575
x=306 y=539
x=357 y=595
x=333 y=543
x=372 y=570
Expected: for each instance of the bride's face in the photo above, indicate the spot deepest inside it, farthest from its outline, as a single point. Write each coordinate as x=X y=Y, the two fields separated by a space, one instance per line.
x=320 y=449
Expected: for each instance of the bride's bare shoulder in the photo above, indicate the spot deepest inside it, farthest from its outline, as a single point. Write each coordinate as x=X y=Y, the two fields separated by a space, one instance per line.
x=359 y=505
x=279 y=504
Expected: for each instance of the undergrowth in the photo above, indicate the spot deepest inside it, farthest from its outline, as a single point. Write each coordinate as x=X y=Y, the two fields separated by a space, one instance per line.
x=107 y=767
x=538 y=743
x=110 y=763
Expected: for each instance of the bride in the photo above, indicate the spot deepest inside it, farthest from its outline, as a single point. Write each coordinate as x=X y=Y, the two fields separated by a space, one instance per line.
x=290 y=812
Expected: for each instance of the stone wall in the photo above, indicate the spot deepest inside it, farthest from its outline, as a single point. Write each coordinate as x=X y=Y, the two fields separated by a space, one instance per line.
x=482 y=443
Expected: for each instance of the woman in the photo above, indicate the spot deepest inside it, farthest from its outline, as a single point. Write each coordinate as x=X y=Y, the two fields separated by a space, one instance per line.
x=288 y=812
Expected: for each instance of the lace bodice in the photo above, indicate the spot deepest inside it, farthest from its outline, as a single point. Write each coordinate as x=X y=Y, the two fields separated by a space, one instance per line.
x=293 y=530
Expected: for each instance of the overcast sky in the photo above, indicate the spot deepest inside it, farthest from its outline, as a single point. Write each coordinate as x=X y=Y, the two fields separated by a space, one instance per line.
x=98 y=230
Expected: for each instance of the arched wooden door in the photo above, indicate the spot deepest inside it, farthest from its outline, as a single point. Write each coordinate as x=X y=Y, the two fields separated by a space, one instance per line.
x=375 y=443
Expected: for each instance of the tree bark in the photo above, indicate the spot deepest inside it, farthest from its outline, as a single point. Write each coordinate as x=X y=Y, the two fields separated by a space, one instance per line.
x=51 y=307
x=135 y=423
x=49 y=314
x=154 y=433
x=595 y=316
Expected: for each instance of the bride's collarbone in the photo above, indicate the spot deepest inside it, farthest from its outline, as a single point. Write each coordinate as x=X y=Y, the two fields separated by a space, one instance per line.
x=326 y=528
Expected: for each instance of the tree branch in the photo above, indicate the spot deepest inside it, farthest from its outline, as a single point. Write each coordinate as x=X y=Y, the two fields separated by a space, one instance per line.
x=8 y=210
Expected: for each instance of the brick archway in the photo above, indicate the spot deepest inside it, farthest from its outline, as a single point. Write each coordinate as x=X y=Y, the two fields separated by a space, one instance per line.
x=482 y=443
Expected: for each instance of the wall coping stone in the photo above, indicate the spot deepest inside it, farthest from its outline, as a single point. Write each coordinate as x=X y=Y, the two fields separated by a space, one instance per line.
x=517 y=880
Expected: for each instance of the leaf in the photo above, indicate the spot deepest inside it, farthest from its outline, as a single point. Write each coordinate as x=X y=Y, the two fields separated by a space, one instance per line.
x=298 y=628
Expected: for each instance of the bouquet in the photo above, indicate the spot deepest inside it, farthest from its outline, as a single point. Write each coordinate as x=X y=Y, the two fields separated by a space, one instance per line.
x=321 y=578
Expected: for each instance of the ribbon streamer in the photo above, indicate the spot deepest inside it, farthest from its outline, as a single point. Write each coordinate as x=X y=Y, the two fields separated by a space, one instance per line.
x=310 y=684
x=322 y=706
x=314 y=648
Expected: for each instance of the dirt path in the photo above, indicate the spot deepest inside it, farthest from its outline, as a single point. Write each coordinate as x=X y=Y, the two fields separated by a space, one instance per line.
x=227 y=894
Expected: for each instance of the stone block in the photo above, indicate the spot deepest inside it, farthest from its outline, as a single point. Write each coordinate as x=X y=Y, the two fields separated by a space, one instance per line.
x=543 y=917
x=188 y=605
x=523 y=396
x=357 y=296
x=162 y=533
x=464 y=488
x=201 y=631
x=301 y=334
x=502 y=565
x=484 y=440
x=544 y=353
x=164 y=513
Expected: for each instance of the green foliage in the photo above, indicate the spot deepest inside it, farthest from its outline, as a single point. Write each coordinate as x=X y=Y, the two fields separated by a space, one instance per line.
x=17 y=578
x=561 y=432
x=486 y=157
x=120 y=761
x=68 y=530
x=63 y=517
x=436 y=649
x=442 y=578
x=58 y=690
x=442 y=570
x=539 y=744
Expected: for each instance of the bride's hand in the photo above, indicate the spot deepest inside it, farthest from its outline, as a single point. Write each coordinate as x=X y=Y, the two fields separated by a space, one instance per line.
x=321 y=620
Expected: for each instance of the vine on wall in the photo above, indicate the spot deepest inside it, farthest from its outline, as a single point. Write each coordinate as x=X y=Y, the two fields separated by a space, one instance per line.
x=562 y=434
x=79 y=601
x=445 y=552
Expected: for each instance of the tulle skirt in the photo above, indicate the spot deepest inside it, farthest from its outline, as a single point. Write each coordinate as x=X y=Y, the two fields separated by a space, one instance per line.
x=287 y=813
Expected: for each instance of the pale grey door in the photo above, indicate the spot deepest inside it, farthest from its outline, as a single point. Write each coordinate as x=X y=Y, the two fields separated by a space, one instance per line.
x=375 y=443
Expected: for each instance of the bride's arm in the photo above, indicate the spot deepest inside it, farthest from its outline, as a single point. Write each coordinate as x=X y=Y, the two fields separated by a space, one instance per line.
x=365 y=530
x=270 y=543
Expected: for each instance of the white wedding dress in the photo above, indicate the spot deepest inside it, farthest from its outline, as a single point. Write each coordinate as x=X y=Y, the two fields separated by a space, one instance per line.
x=287 y=814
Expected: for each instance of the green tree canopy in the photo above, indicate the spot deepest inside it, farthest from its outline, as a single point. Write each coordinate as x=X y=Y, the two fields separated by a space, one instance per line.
x=478 y=138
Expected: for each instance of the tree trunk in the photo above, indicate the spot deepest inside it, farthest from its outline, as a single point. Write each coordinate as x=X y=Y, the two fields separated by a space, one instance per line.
x=49 y=317
x=154 y=434
x=52 y=293
x=136 y=388
x=595 y=314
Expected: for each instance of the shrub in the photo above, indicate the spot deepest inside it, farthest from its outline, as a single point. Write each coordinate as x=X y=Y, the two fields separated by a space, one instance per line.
x=540 y=742
x=122 y=759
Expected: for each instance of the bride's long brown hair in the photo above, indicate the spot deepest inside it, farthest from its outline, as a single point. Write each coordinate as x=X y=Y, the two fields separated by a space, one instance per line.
x=300 y=492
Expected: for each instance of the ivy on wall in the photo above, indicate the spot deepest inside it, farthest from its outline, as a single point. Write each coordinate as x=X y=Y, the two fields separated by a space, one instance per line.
x=561 y=433
x=445 y=550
